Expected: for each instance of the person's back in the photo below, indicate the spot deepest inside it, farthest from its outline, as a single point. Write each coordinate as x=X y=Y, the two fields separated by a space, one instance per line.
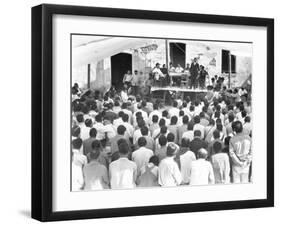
x=122 y=173
x=149 y=173
x=201 y=170
x=221 y=167
x=169 y=173
x=96 y=176
x=142 y=155
x=185 y=161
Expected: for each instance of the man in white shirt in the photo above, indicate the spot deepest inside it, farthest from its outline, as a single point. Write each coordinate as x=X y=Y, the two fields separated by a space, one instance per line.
x=78 y=162
x=99 y=127
x=142 y=155
x=169 y=173
x=123 y=172
x=154 y=112
x=201 y=170
x=186 y=158
x=157 y=72
x=198 y=126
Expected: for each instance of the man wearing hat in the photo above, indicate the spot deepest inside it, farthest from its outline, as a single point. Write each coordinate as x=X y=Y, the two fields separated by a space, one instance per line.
x=169 y=173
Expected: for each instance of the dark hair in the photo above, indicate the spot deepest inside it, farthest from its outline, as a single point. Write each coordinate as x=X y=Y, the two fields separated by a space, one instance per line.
x=162 y=140
x=162 y=122
x=80 y=118
x=174 y=120
x=121 y=130
x=247 y=119
x=142 y=142
x=197 y=133
x=185 y=119
x=123 y=148
x=243 y=114
x=141 y=123
x=154 y=159
x=217 y=147
x=155 y=118
x=170 y=137
x=94 y=154
x=181 y=113
x=171 y=150
x=185 y=142
x=77 y=143
x=219 y=127
x=125 y=117
x=191 y=108
x=121 y=113
x=216 y=134
x=202 y=115
x=212 y=122
x=196 y=119
x=155 y=106
x=96 y=144
x=144 y=131
x=165 y=113
x=88 y=122
x=175 y=104
x=237 y=127
x=190 y=126
x=98 y=118
x=93 y=132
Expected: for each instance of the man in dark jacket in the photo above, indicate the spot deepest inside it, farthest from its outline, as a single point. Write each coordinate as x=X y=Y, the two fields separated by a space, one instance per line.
x=194 y=69
x=197 y=143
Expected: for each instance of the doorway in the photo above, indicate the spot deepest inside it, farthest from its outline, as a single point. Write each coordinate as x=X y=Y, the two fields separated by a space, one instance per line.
x=177 y=54
x=120 y=64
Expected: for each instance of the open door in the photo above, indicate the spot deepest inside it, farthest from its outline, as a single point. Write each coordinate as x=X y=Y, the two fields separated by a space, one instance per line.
x=120 y=64
x=177 y=54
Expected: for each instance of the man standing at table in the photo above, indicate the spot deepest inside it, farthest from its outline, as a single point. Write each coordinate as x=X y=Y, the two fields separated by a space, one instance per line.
x=194 y=69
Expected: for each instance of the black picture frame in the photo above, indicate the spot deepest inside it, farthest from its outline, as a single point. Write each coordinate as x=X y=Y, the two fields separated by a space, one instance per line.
x=42 y=111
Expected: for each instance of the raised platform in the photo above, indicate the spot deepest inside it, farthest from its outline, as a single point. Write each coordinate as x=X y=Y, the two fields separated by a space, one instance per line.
x=165 y=93
x=177 y=89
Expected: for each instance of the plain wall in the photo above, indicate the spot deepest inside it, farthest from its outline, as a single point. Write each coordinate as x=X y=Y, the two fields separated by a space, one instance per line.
x=15 y=166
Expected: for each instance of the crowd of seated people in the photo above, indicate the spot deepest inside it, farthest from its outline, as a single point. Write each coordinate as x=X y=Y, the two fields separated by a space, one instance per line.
x=127 y=142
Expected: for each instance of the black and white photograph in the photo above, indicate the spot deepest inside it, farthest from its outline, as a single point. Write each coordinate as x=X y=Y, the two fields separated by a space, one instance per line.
x=160 y=112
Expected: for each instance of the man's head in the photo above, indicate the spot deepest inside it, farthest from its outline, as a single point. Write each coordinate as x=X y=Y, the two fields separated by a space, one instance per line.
x=170 y=137
x=96 y=144
x=162 y=140
x=77 y=143
x=172 y=150
x=165 y=113
x=123 y=149
x=80 y=118
x=202 y=153
x=88 y=122
x=93 y=133
x=144 y=131
x=174 y=120
x=155 y=118
x=142 y=142
x=237 y=127
x=247 y=119
x=185 y=119
x=162 y=122
x=121 y=130
x=217 y=147
x=154 y=159
x=98 y=118
x=157 y=65
x=196 y=119
x=216 y=134
x=94 y=154
x=175 y=104
x=185 y=142
x=136 y=72
x=125 y=117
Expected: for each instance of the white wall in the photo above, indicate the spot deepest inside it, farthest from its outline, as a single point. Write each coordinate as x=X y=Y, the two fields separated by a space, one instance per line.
x=16 y=120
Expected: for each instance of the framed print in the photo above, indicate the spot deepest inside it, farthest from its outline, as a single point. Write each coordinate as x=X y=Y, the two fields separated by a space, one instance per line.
x=144 y=112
